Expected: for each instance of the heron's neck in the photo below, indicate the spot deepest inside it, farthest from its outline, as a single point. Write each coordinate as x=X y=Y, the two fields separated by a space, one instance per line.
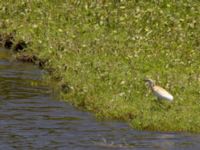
x=151 y=85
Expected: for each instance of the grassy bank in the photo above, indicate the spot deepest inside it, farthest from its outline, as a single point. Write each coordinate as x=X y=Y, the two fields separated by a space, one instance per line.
x=103 y=50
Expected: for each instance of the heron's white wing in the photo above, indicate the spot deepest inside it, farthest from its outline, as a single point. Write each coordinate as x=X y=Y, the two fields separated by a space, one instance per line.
x=162 y=93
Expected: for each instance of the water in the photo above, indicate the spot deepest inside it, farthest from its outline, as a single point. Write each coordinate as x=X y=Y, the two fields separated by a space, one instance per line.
x=30 y=118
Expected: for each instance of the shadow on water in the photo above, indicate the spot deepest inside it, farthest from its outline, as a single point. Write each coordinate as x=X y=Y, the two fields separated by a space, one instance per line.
x=30 y=118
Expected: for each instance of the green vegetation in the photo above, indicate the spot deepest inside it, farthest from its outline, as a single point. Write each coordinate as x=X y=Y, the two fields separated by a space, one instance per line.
x=104 y=49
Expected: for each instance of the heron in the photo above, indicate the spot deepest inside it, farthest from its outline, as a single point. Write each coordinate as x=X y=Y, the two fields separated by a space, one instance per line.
x=158 y=91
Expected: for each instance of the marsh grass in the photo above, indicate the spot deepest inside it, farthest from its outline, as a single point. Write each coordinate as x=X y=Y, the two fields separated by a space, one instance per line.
x=104 y=49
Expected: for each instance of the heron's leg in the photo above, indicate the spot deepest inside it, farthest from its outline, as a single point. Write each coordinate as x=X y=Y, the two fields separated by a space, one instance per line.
x=160 y=102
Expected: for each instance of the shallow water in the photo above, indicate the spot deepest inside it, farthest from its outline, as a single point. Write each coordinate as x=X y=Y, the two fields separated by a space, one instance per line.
x=31 y=118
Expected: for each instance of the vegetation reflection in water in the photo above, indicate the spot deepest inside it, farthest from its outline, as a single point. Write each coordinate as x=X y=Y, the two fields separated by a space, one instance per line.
x=18 y=80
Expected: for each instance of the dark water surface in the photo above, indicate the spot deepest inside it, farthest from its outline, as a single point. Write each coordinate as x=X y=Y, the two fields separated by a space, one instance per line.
x=30 y=118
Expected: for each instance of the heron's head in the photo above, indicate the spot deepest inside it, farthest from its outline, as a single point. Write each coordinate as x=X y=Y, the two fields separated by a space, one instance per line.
x=149 y=82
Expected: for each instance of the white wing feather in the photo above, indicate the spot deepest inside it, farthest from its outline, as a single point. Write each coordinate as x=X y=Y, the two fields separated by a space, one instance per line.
x=162 y=93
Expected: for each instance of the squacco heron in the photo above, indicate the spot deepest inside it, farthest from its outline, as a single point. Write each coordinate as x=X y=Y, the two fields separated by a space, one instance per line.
x=158 y=91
